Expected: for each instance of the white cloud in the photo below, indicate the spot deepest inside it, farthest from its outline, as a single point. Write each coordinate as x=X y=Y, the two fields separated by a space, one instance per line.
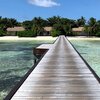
x=44 y=3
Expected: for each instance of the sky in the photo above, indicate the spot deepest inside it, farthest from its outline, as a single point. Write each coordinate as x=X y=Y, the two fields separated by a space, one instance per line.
x=28 y=9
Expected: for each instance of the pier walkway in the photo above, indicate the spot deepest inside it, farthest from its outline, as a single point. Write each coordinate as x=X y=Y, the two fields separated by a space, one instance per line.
x=60 y=75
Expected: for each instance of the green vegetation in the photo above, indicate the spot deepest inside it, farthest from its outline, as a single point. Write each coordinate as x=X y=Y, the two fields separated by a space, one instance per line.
x=2 y=33
x=98 y=34
x=81 y=22
x=54 y=33
x=92 y=28
x=27 y=33
x=63 y=26
x=8 y=22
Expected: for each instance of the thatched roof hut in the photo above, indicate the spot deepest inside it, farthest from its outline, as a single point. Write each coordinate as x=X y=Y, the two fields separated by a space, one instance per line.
x=79 y=29
x=15 y=29
x=48 y=29
x=12 y=31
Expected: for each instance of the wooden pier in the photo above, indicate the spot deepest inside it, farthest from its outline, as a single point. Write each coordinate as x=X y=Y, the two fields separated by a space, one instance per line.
x=60 y=75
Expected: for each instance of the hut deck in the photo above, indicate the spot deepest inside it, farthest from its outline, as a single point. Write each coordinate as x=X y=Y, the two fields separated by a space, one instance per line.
x=45 y=46
x=60 y=75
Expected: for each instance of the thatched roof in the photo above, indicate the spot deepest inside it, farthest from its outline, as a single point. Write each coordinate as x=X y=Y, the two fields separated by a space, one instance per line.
x=48 y=29
x=79 y=29
x=15 y=29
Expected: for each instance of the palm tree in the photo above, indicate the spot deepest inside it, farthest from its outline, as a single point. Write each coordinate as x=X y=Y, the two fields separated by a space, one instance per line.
x=54 y=20
x=92 y=24
x=12 y=22
x=27 y=25
x=39 y=21
x=92 y=21
x=81 y=21
x=38 y=24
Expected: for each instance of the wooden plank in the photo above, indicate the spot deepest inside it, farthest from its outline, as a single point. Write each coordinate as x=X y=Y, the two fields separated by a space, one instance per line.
x=60 y=75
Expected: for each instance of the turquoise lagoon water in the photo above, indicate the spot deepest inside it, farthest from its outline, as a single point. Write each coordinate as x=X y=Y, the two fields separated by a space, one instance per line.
x=90 y=50
x=16 y=59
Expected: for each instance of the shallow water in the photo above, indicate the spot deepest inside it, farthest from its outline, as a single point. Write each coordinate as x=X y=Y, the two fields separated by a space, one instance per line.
x=16 y=59
x=90 y=50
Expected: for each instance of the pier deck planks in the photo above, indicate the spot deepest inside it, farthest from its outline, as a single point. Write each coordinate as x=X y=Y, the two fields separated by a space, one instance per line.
x=60 y=75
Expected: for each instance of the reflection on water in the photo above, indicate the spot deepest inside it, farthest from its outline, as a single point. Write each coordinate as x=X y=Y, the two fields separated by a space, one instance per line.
x=90 y=50
x=16 y=59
